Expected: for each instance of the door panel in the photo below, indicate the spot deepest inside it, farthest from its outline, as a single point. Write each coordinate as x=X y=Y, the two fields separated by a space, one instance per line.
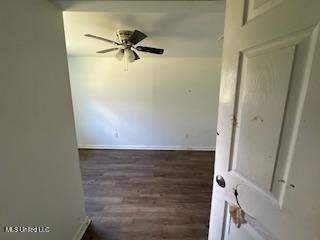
x=271 y=59
x=260 y=108
x=254 y=8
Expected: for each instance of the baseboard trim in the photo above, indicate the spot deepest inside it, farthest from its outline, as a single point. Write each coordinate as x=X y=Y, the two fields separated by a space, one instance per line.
x=146 y=147
x=82 y=229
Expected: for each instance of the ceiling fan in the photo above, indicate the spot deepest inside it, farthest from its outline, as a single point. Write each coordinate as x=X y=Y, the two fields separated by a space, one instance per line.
x=126 y=45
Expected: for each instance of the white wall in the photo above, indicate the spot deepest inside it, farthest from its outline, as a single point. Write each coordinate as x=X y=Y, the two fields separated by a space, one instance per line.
x=160 y=103
x=39 y=169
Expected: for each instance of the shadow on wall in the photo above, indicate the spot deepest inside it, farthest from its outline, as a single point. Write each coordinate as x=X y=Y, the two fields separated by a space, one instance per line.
x=159 y=103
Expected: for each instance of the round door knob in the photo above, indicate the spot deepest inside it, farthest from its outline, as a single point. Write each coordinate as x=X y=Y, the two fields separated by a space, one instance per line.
x=220 y=181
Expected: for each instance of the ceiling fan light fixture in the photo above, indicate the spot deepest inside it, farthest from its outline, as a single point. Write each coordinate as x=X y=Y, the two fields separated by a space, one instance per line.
x=129 y=55
x=127 y=41
x=119 y=55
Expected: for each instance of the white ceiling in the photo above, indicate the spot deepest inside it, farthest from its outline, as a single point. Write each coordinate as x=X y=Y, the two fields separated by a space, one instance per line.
x=182 y=28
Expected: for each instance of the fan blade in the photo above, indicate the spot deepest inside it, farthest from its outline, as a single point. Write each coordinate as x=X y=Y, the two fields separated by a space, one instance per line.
x=136 y=56
x=108 y=50
x=150 y=50
x=120 y=54
x=136 y=37
x=101 y=38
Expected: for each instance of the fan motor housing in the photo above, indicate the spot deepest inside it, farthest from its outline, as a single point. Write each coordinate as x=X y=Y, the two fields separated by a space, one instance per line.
x=124 y=35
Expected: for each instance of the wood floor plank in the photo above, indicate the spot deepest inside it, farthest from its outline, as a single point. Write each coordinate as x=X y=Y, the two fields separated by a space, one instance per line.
x=147 y=195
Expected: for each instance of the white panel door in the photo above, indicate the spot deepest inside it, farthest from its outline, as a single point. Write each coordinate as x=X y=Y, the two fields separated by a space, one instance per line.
x=268 y=143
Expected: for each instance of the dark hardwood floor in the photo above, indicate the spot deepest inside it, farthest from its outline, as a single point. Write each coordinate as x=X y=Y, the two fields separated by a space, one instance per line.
x=147 y=195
